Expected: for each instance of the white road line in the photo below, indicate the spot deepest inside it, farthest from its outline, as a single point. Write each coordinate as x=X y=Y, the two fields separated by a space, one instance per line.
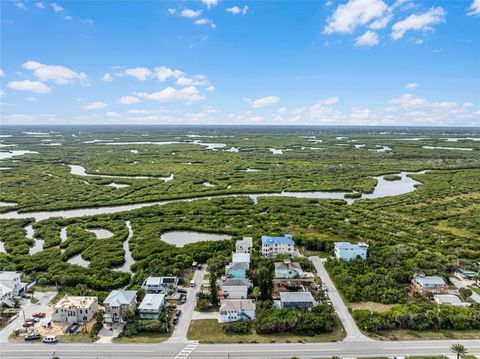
x=185 y=352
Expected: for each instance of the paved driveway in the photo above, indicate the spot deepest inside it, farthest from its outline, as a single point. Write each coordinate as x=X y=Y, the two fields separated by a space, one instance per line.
x=29 y=308
x=461 y=284
x=179 y=334
x=353 y=333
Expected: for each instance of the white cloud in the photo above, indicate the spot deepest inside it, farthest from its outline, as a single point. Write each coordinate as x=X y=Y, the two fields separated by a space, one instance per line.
x=204 y=21
x=187 y=94
x=263 y=101
x=40 y=5
x=347 y=17
x=2 y=73
x=328 y=101
x=128 y=100
x=474 y=8
x=19 y=117
x=68 y=17
x=162 y=73
x=235 y=10
x=369 y=38
x=407 y=100
x=419 y=22
x=21 y=5
x=282 y=110
x=107 y=77
x=190 y=13
x=56 y=7
x=58 y=74
x=381 y=23
x=172 y=11
x=97 y=105
x=27 y=85
x=210 y=3
x=210 y=88
x=140 y=73
x=412 y=85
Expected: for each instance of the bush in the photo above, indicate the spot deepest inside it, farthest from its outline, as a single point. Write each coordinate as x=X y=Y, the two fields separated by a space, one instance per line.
x=238 y=327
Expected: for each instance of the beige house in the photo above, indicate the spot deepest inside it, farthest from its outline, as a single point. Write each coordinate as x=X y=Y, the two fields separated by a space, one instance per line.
x=72 y=309
x=118 y=303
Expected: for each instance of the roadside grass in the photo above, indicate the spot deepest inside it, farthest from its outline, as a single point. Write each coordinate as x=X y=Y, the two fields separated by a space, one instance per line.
x=77 y=338
x=376 y=307
x=474 y=289
x=44 y=288
x=210 y=331
x=424 y=335
x=143 y=338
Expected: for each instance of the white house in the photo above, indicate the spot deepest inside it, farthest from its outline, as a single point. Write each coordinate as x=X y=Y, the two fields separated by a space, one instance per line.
x=244 y=245
x=6 y=296
x=163 y=285
x=271 y=246
x=241 y=258
x=151 y=306
x=232 y=310
x=288 y=270
x=73 y=309
x=118 y=303
x=12 y=280
x=235 y=288
x=348 y=251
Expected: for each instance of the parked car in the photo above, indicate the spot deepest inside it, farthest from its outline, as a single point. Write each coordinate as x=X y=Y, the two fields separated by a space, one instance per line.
x=178 y=313
x=39 y=315
x=175 y=321
x=73 y=328
x=181 y=290
x=33 y=320
x=199 y=267
x=32 y=336
x=50 y=339
x=183 y=299
x=192 y=283
x=28 y=324
x=46 y=323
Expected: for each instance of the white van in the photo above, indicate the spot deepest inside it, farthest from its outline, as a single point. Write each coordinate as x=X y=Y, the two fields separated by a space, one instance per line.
x=192 y=283
x=50 y=339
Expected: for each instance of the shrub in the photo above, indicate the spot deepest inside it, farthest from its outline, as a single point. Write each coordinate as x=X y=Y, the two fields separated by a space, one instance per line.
x=238 y=327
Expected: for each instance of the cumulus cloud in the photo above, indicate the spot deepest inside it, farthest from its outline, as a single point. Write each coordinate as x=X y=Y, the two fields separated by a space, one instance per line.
x=263 y=101
x=40 y=5
x=97 y=105
x=27 y=85
x=328 y=101
x=204 y=21
x=347 y=17
x=162 y=73
x=113 y=115
x=407 y=100
x=59 y=74
x=107 y=77
x=56 y=7
x=419 y=22
x=140 y=73
x=190 y=13
x=19 y=117
x=369 y=38
x=2 y=73
x=412 y=85
x=172 y=11
x=21 y=5
x=210 y=3
x=187 y=94
x=235 y=10
x=128 y=100
x=474 y=8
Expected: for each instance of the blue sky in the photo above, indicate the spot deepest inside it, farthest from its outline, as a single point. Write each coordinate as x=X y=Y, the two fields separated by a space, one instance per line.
x=358 y=62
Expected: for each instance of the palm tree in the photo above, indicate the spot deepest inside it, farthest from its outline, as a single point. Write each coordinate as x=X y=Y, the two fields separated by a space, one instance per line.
x=458 y=349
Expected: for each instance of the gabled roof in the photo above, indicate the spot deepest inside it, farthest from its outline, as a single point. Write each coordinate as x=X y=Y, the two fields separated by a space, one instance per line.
x=433 y=280
x=152 y=301
x=246 y=240
x=236 y=305
x=288 y=266
x=448 y=299
x=285 y=239
x=296 y=297
x=120 y=297
x=234 y=282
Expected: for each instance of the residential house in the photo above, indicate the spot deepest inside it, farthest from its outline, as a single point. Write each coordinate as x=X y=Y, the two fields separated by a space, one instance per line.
x=236 y=270
x=165 y=285
x=433 y=284
x=348 y=251
x=300 y=300
x=244 y=245
x=241 y=258
x=118 y=303
x=271 y=246
x=6 y=296
x=465 y=274
x=232 y=310
x=72 y=309
x=449 y=299
x=151 y=306
x=235 y=288
x=12 y=280
x=288 y=270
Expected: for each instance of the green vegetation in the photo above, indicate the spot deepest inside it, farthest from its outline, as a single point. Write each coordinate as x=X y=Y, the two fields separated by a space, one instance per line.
x=392 y=178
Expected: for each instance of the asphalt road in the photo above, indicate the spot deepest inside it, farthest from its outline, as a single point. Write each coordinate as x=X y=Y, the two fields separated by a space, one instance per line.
x=460 y=284
x=165 y=350
x=179 y=334
x=353 y=333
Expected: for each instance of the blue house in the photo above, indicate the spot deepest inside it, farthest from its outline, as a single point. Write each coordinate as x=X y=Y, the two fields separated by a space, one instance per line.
x=271 y=246
x=349 y=251
x=236 y=270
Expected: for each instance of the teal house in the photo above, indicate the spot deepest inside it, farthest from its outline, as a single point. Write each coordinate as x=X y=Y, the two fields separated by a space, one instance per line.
x=151 y=306
x=236 y=270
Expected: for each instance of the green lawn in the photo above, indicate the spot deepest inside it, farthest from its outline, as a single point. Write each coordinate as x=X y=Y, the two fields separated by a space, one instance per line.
x=44 y=288
x=474 y=289
x=210 y=331
x=143 y=338
x=426 y=335
x=77 y=338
